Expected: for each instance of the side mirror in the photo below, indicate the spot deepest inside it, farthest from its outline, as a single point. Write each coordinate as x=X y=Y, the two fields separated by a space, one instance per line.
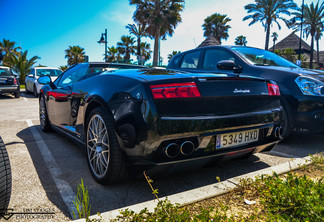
x=226 y=65
x=30 y=75
x=44 y=80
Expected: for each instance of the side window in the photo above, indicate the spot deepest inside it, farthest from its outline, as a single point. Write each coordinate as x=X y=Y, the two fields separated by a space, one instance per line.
x=73 y=75
x=190 y=60
x=174 y=63
x=213 y=56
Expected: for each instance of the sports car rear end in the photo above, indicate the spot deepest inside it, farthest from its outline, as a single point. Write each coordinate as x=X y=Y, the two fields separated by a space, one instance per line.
x=202 y=119
x=158 y=120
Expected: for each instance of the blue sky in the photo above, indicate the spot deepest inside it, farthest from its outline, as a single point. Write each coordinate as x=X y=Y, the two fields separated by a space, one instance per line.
x=47 y=28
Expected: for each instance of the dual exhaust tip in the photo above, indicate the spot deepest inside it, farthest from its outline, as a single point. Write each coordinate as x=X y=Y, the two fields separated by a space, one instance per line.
x=173 y=149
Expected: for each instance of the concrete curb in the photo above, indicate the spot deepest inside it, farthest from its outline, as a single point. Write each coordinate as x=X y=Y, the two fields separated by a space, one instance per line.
x=212 y=190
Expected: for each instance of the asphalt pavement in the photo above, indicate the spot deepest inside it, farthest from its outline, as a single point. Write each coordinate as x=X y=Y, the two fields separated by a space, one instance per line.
x=47 y=167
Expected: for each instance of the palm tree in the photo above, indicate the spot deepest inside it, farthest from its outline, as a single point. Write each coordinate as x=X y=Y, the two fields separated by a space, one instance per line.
x=267 y=12
x=63 y=68
x=20 y=64
x=313 y=20
x=173 y=53
x=274 y=39
x=160 y=18
x=318 y=35
x=216 y=25
x=138 y=31
x=74 y=54
x=240 y=40
x=145 y=52
x=113 y=54
x=126 y=47
x=7 y=47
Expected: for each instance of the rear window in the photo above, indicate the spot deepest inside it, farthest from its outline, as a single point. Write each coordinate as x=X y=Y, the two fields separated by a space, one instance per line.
x=5 y=72
x=48 y=72
x=190 y=60
x=96 y=69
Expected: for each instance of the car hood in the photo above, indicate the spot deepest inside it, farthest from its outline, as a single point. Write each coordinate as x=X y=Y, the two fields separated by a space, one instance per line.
x=316 y=74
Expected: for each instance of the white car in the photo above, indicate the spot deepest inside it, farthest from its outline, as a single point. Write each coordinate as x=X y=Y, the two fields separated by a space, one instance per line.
x=31 y=83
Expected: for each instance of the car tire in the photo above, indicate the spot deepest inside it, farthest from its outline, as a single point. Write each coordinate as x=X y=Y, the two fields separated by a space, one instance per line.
x=43 y=117
x=35 y=91
x=5 y=178
x=104 y=156
x=285 y=122
x=17 y=94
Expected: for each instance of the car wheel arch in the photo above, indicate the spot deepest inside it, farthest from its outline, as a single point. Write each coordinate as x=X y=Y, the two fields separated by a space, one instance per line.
x=126 y=123
x=92 y=104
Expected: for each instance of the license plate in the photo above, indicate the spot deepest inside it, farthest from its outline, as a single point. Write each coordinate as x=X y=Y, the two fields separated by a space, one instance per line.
x=236 y=138
x=3 y=80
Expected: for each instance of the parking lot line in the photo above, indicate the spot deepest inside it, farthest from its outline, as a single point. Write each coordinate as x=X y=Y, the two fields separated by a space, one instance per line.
x=64 y=188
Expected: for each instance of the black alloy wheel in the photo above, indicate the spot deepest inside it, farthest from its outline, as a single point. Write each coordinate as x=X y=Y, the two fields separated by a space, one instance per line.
x=105 y=158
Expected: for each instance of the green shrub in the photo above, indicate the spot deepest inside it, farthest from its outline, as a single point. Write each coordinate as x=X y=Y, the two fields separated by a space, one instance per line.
x=293 y=198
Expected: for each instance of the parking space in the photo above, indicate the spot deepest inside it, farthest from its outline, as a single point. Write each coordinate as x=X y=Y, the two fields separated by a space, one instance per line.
x=47 y=167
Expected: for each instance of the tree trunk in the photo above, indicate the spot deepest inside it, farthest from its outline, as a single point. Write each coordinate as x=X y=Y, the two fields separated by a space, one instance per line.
x=273 y=48
x=267 y=37
x=139 y=50
x=318 y=59
x=311 y=53
x=156 y=49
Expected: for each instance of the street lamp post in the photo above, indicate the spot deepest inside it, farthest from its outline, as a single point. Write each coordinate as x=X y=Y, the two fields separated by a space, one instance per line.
x=102 y=40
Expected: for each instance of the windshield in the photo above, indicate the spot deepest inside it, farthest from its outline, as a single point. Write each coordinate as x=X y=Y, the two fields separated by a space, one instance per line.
x=5 y=72
x=262 y=57
x=48 y=72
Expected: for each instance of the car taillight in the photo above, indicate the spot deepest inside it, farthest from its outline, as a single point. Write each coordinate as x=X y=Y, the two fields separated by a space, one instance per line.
x=273 y=89
x=175 y=90
x=15 y=81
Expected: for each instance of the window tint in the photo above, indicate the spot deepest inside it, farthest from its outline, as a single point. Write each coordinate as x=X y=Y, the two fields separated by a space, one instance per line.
x=175 y=61
x=190 y=60
x=96 y=69
x=74 y=74
x=213 y=56
x=48 y=72
x=262 y=57
x=5 y=72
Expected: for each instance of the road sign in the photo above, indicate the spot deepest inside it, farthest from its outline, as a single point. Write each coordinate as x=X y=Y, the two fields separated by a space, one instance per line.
x=298 y=62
